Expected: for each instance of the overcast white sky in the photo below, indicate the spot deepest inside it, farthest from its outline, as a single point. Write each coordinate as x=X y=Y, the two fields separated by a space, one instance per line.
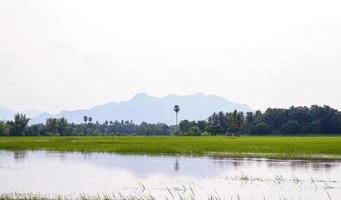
x=70 y=54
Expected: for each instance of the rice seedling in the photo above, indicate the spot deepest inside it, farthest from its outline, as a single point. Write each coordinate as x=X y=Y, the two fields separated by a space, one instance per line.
x=245 y=146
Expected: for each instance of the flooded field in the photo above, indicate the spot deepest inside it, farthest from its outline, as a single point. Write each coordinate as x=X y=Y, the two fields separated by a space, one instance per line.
x=167 y=177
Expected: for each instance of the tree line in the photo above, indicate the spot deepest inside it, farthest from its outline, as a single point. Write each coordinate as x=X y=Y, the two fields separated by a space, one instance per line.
x=274 y=121
x=61 y=127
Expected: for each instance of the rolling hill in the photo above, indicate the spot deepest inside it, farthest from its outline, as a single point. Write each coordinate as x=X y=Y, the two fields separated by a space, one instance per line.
x=143 y=107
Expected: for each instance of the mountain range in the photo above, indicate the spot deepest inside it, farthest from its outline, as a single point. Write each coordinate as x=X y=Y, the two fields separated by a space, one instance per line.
x=143 y=107
x=8 y=114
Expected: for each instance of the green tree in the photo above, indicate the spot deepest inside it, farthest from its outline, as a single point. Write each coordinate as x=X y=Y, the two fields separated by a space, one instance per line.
x=52 y=126
x=62 y=126
x=275 y=118
x=250 y=118
x=312 y=127
x=291 y=127
x=194 y=131
x=213 y=129
x=37 y=130
x=19 y=125
x=258 y=115
x=222 y=122
x=57 y=126
x=261 y=128
x=184 y=126
x=213 y=119
x=235 y=122
x=202 y=125
x=4 y=129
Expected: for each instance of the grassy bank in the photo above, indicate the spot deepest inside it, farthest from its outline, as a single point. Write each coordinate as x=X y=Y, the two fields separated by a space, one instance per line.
x=259 y=146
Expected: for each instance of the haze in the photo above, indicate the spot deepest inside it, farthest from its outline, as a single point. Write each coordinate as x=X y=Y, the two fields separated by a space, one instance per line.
x=71 y=54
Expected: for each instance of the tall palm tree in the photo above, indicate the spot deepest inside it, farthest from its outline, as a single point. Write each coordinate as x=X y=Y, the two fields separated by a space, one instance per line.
x=176 y=109
x=90 y=119
x=85 y=118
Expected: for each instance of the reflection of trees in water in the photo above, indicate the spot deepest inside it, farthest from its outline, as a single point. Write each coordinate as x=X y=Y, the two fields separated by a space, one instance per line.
x=293 y=164
x=19 y=155
x=304 y=164
x=176 y=167
x=65 y=155
x=60 y=155
x=86 y=155
x=325 y=165
x=236 y=162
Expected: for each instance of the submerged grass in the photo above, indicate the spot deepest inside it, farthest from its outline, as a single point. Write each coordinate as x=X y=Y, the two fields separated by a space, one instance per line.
x=245 y=146
x=32 y=196
x=188 y=191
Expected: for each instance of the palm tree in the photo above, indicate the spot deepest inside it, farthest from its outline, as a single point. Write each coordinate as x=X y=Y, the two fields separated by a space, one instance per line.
x=176 y=109
x=90 y=119
x=235 y=122
x=85 y=118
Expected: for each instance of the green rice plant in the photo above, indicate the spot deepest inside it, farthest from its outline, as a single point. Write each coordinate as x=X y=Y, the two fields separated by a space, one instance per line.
x=246 y=146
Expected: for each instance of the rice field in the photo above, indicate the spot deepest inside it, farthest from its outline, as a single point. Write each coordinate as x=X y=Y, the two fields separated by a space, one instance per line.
x=245 y=146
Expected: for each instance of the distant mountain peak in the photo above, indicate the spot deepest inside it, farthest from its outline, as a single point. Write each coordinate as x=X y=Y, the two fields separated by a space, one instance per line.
x=143 y=107
x=141 y=95
x=198 y=94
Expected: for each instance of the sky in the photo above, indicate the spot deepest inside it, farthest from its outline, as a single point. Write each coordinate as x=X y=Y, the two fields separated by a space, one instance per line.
x=71 y=54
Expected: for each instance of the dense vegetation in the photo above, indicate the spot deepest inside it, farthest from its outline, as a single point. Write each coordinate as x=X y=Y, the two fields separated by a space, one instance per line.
x=274 y=121
x=61 y=127
x=262 y=146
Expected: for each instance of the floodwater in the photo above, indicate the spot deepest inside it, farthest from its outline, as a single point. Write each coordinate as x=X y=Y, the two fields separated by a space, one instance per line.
x=172 y=177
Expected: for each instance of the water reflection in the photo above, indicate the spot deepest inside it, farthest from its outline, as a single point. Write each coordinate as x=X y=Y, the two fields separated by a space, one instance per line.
x=72 y=173
x=153 y=163
x=19 y=155
x=176 y=167
x=273 y=163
